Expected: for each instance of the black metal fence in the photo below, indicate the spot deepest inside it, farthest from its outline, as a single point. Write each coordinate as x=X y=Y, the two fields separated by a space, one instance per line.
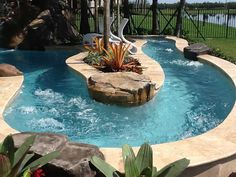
x=208 y=23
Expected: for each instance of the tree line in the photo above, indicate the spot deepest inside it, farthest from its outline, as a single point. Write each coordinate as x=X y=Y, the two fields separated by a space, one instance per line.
x=205 y=5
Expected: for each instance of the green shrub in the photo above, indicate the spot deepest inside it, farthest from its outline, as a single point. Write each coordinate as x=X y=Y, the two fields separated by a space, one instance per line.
x=140 y=165
x=15 y=163
x=93 y=58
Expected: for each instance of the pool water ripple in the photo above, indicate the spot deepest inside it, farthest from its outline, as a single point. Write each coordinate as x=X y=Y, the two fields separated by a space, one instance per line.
x=195 y=97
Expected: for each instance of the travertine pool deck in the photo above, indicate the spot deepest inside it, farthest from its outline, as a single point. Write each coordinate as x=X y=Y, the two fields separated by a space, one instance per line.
x=9 y=88
x=216 y=147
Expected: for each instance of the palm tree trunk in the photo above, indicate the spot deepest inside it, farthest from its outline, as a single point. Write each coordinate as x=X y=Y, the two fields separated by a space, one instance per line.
x=84 y=24
x=118 y=15
x=154 y=17
x=106 y=34
x=178 y=27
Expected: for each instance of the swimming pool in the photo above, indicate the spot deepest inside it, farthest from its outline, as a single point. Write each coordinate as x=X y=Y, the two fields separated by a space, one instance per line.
x=195 y=98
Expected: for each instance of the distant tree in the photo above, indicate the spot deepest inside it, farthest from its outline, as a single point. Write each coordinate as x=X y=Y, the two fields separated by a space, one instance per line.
x=178 y=26
x=84 y=23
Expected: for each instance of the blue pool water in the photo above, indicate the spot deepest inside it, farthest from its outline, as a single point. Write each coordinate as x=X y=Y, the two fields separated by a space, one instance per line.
x=195 y=97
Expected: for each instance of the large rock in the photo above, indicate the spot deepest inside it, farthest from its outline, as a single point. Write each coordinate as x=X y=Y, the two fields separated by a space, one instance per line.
x=125 y=88
x=7 y=70
x=191 y=52
x=44 y=142
x=34 y=24
x=74 y=157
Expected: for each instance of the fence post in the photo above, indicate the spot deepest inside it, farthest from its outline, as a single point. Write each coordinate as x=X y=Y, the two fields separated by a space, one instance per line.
x=154 y=16
x=198 y=21
x=227 y=25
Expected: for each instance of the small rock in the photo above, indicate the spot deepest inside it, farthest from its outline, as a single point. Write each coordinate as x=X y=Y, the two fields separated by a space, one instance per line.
x=7 y=70
x=74 y=157
x=232 y=175
x=125 y=88
x=191 y=52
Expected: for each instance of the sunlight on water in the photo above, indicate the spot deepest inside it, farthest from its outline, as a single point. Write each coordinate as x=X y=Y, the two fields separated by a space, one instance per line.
x=169 y=50
x=186 y=63
x=46 y=124
x=55 y=99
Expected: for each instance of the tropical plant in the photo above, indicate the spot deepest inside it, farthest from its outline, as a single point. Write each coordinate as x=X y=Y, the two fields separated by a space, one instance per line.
x=115 y=56
x=15 y=163
x=93 y=59
x=140 y=165
x=97 y=47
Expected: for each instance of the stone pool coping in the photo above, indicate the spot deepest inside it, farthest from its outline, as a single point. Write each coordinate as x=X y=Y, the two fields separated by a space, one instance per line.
x=218 y=143
x=9 y=88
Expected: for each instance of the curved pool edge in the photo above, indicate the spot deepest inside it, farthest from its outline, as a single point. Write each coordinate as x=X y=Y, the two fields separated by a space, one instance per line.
x=202 y=150
x=10 y=87
x=212 y=146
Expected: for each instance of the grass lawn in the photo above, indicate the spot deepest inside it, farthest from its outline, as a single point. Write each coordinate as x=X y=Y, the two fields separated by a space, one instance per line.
x=227 y=47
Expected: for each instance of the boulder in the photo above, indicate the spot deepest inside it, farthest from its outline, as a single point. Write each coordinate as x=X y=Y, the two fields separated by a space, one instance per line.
x=74 y=160
x=32 y=25
x=74 y=157
x=124 y=88
x=7 y=70
x=191 y=52
x=44 y=142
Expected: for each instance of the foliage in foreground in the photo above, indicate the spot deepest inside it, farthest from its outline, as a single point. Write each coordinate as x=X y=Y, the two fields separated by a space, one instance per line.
x=16 y=163
x=140 y=165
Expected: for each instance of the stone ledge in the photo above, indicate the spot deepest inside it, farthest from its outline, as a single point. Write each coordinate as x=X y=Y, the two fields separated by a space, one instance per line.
x=152 y=68
x=191 y=52
x=123 y=88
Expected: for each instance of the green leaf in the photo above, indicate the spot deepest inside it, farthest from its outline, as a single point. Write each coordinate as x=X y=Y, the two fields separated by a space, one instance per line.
x=5 y=165
x=20 y=155
x=174 y=169
x=27 y=173
x=25 y=161
x=42 y=161
x=127 y=151
x=144 y=157
x=7 y=148
x=147 y=172
x=103 y=167
x=23 y=149
x=130 y=168
x=154 y=170
x=161 y=173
